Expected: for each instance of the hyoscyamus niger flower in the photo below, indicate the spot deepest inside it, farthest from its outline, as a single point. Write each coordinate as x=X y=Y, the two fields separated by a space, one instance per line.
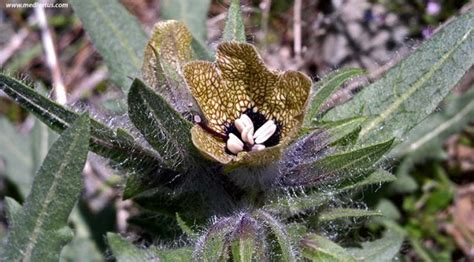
x=250 y=112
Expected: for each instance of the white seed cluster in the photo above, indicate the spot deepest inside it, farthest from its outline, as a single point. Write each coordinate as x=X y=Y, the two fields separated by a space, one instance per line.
x=253 y=139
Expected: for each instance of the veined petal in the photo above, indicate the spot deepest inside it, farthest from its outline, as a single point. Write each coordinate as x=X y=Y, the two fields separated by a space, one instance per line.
x=210 y=146
x=205 y=84
x=243 y=69
x=288 y=99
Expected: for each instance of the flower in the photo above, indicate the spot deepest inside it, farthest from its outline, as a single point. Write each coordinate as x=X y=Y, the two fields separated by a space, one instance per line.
x=250 y=112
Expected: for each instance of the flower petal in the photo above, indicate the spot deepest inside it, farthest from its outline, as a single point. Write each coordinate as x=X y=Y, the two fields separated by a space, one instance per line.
x=209 y=145
x=205 y=84
x=243 y=69
x=287 y=101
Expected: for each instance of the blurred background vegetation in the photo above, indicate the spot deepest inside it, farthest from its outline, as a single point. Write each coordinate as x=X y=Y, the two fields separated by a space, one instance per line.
x=433 y=198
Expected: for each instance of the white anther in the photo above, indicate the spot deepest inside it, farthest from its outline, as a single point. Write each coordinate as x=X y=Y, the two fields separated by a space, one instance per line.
x=246 y=119
x=258 y=147
x=247 y=135
x=240 y=125
x=265 y=132
x=234 y=144
x=243 y=122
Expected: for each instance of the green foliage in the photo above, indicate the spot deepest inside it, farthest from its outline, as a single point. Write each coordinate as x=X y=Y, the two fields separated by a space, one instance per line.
x=39 y=230
x=428 y=136
x=411 y=90
x=325 y=88
x=319 y=248
x=234 y=27
x=116 y=34
x=118 y=146
x=380 y=250
x=125 y=251
x=82 y=247
x=164 y=128
x=282 y=237
x=356 y=161
x=256 y=217
x=340 y=213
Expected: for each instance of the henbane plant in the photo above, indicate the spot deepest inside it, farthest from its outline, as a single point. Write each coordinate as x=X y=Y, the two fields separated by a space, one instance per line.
x=240 y=157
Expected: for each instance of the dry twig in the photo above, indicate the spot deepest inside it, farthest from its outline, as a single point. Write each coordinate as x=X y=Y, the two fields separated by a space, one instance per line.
x=51 y=56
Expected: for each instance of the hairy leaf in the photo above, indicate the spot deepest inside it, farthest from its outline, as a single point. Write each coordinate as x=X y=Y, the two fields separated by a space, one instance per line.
x=234 y=29
x=243 y=248
x=212 y=245
x=125 y=251
x=282 y=238
x=319 y=248
x=436 y=128
x=410 y=91
x=338 y=167
x=168 y=49
x=160 y=124
x=116 y=34
x=325 y=88
x=193 y=13
x=377 y=177
x=380 y=250
x=104 y=141
x=40 y=229
x=339 y=213
x=185 y=228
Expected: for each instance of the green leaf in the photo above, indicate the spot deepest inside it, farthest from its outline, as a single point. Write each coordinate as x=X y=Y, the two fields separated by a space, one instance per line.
x=160 y=124
x=410 y=91
x=104 y=141
x=82 y=247
x=176 y=255
x=342 y=132
x=388 y=209
x=116 y=34
x=380 y=250
x=42 y=138
x=234 y=29
x=282 y=237
x=326 y=87
x=286 y=207
x=243 y=249
x=193 y=13
x=433 y=131
x=339 y=213
x=15 y=151
x=124 y=251
x=185 y=228
x=356 y=161
x=321 y=249
x=12 y=209
x=374 y=178
x=339 y=167
x=213 y=245
x=40 y=229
